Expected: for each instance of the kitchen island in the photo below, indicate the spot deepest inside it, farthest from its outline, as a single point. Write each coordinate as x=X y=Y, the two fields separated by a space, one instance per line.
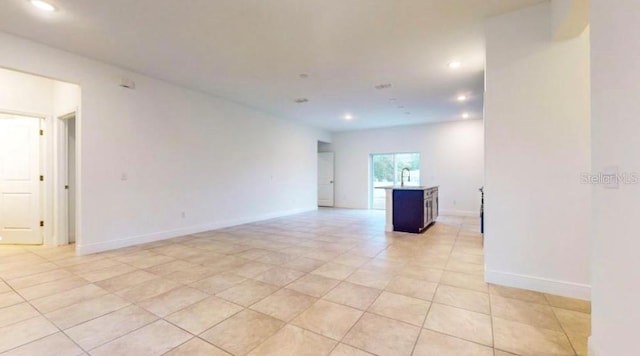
x=410 y=209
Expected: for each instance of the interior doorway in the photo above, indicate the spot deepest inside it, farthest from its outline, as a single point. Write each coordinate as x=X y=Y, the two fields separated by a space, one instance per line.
x=325 y=179
x=21 y=198
x=67 y=172
x=39 y=159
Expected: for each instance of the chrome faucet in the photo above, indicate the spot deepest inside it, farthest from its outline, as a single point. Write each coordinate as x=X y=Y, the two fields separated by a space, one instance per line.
x=402 y=176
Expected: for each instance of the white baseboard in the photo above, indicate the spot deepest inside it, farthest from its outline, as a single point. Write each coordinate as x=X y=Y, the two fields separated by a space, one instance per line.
x=465 y=213
x=85 y=249
x=545 y=285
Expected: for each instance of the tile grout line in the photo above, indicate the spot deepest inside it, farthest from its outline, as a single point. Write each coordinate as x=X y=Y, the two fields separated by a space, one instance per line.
x=49 y=321
x=40 y=315
x=493 y=334
x=110 y=340
x=434 y=302
x=493 y=331
x=564 y=331
x=456 y=243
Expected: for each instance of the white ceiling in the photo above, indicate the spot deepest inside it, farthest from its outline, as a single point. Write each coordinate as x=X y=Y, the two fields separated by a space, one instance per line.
x=252 y=51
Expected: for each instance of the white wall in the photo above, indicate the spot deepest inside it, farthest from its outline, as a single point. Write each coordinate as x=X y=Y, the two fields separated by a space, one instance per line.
x=451 y=156
x=66 y=98
x=26 y=94
x=537 y=145
x=615 y=53
x=180 y=150
x=569 y=18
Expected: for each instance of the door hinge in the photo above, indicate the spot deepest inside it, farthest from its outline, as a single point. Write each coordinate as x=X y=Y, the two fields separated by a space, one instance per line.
x=41 y=132
x=42 y=178
x=41 y=223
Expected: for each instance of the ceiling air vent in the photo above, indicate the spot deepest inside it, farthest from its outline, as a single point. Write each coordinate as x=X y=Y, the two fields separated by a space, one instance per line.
x=301 y=100
x=383 y=86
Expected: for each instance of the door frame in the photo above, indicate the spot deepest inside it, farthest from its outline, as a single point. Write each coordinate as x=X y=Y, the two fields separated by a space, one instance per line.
x=60 y=179
x=53 y=165
x=50 y=161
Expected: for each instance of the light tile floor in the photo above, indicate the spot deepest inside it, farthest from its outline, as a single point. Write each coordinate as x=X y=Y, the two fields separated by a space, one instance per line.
x=320 y=283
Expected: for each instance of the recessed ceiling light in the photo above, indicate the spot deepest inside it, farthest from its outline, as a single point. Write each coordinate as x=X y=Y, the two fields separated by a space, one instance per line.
x=455 y=65
x=462 y=98
x=43 y=5
x=301 y=100
x=465 y=115
x=383 y=86
x=348 y=116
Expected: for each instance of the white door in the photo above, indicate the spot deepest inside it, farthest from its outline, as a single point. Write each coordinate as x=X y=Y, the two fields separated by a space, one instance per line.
x=325 y=179
x=20 y=204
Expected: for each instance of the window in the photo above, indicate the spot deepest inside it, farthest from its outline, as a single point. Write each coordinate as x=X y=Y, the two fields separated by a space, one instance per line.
x=386 y=170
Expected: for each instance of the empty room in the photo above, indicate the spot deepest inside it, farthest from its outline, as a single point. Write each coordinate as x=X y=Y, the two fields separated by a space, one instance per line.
x=287 y=177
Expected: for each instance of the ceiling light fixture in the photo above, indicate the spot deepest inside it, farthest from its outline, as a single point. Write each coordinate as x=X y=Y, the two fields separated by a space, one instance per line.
x=455 y=65
x=465 y=115
x=43 y=5
x=462 y=98
x=348 y=116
